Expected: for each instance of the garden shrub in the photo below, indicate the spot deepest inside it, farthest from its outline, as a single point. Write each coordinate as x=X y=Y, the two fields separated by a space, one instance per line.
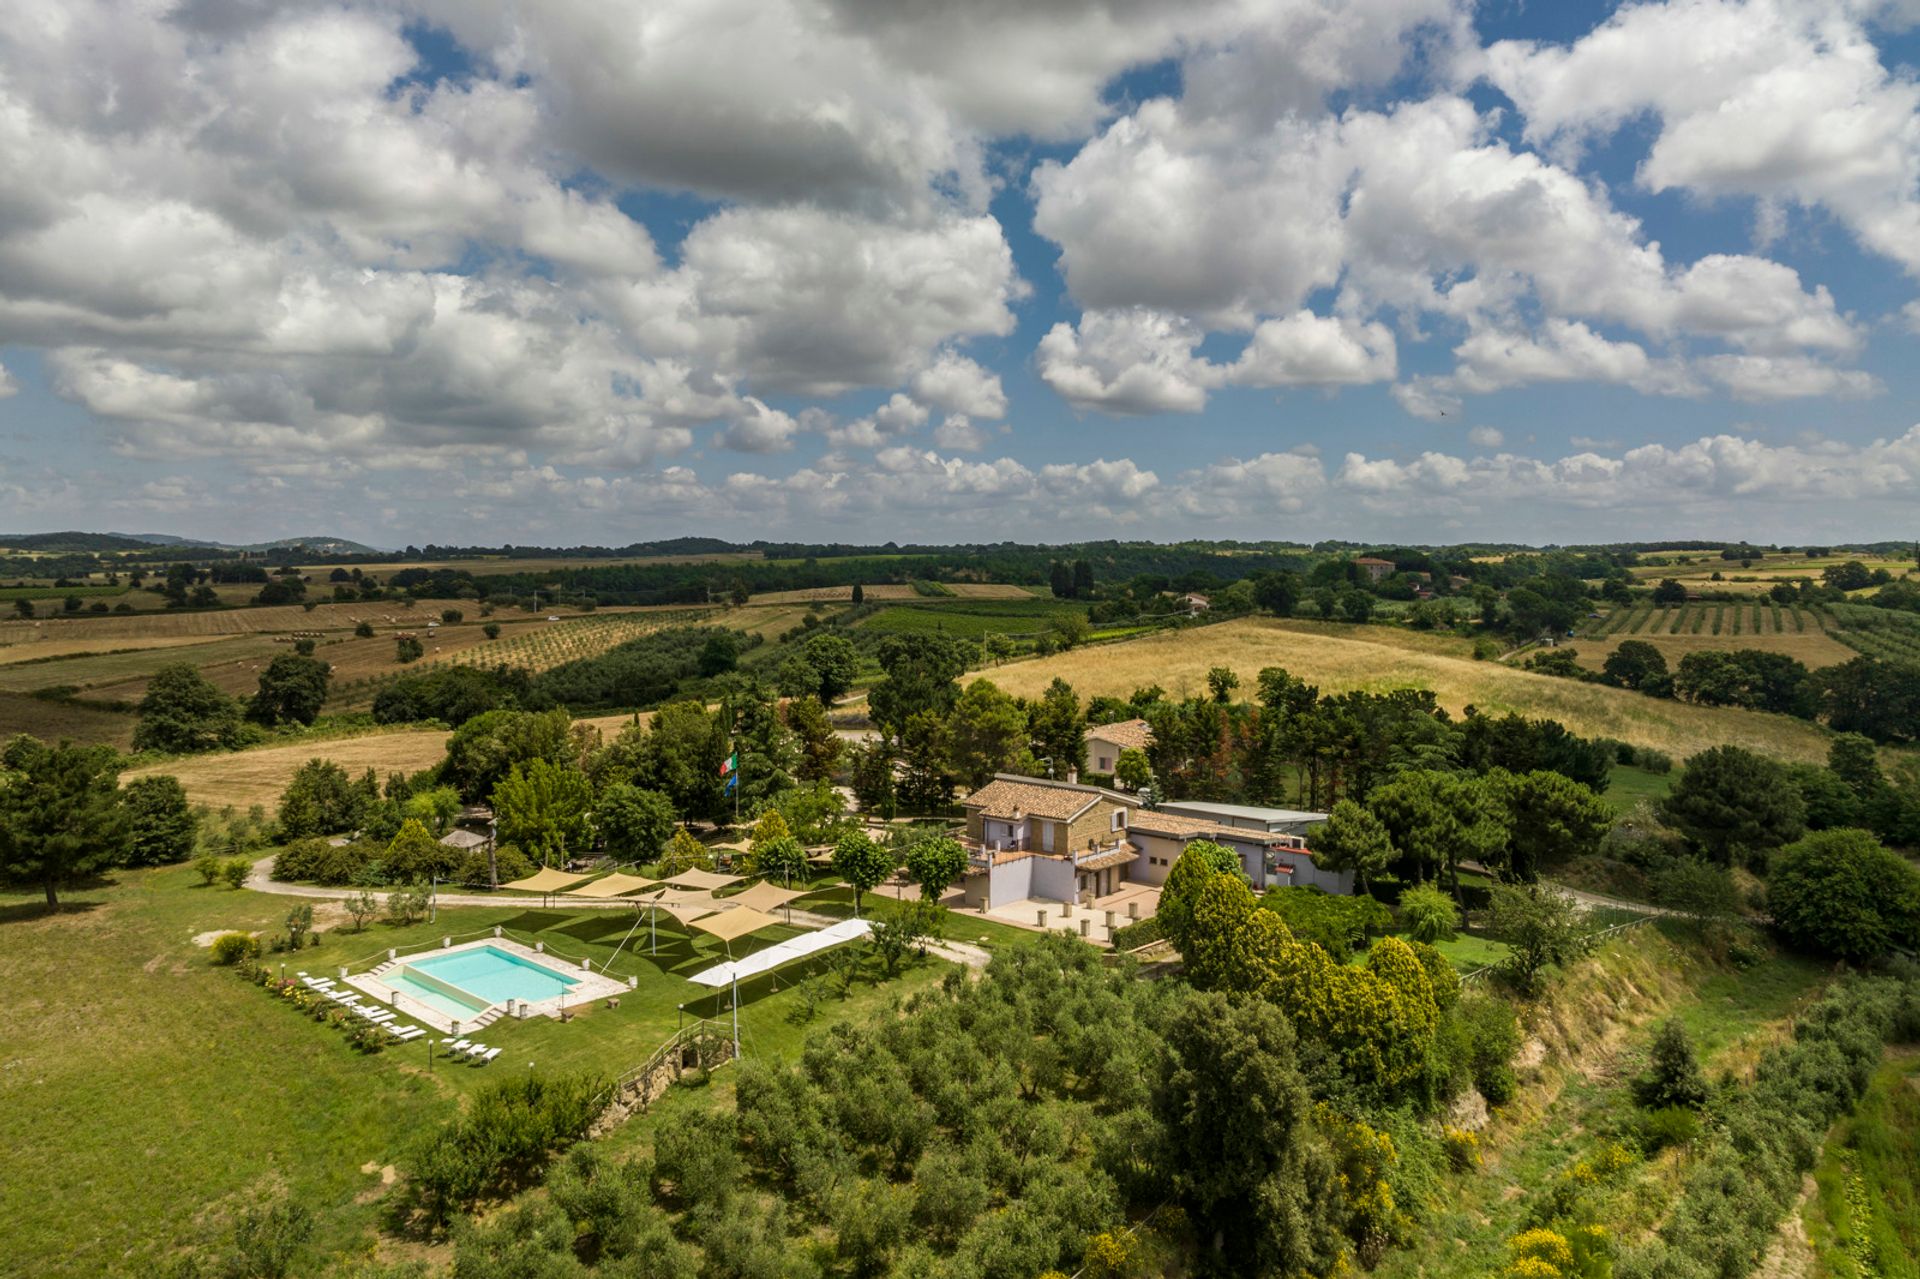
x=231 y=948
x=509 y=863
x=1338 y=924
x=1134 y=936
x=508 y=1132
x=1430 y=913
x=300 y=861
x=235 y=871
x=207 y=866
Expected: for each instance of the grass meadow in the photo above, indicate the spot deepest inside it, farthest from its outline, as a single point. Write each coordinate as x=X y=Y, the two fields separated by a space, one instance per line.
x=143 y=1091
x=1379 y=658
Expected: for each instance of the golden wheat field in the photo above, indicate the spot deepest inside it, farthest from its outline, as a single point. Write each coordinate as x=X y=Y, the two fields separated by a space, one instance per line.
x=1379 y=658
x=258 y=776
x=245 y=778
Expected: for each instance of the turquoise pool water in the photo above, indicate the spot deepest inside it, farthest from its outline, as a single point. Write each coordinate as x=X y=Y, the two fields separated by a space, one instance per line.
x=464 y=983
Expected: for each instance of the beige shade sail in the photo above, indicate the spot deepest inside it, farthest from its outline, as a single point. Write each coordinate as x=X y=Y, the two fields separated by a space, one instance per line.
x=685 y=912
x=702 y=879
x=614 y=885
x=762 y=896
x=732 y=924
x=687 y=897
x=547 y=880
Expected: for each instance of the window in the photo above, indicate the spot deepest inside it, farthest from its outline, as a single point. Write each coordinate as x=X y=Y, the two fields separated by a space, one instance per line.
x=1119 y=820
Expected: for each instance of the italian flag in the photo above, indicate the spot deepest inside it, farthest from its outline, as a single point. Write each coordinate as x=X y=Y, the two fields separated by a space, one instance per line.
x=730 y=763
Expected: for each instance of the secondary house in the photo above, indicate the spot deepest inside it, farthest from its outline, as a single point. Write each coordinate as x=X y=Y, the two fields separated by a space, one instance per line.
x=1028 y=838
x=1106 y=741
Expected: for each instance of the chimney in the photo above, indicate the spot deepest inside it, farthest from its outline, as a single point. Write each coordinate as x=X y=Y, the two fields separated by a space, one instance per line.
x=1073 y=776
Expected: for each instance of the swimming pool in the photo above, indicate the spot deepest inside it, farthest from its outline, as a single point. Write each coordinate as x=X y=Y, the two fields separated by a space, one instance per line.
x=466 y=982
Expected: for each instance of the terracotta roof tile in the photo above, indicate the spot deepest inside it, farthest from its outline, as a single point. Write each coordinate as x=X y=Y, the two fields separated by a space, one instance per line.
x=1128 y=734
x=1001 y=798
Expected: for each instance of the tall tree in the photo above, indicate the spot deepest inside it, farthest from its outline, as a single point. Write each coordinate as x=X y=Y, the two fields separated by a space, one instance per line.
x=683 y=751
x=1242 y=1153
x=934 y=863
x=921 y=674
x=546 y=809
x=862 y=863
x=162 y=824
x=986 y=732
x=636 y=823
x=1082 y=580
x=292 y=690
x=1437 y=820
x=836 y=664
x=1058 y=729
x=482 y=750
x=1352 y=839
x=183 y=712
x=820 y=747
x=60 y=815
x=1551 y=819
x=1730 y=800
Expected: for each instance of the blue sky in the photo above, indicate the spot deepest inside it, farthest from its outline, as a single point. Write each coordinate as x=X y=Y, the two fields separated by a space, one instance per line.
x=847 y=269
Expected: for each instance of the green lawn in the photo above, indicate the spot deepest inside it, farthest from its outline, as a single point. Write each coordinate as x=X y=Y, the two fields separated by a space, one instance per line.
x=143 y=1092
x=1629 y=785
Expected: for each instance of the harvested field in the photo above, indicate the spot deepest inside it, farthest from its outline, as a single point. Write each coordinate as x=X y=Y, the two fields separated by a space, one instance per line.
x=1815 y=648
x=840 y=594
x=1377 y=658
x=52 y=721
x=116 y=676
x=992 y=591
x=245 y=778
x=283 y=619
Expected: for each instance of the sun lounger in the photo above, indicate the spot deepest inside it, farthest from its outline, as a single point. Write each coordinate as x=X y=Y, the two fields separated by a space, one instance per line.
x=382 y=1017
x=454 y=1050
x=473 y=1053
x=487 y=1056
x=407 y=1035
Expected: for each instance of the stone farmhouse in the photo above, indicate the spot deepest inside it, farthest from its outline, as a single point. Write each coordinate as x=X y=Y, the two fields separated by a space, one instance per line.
x=1030 y=838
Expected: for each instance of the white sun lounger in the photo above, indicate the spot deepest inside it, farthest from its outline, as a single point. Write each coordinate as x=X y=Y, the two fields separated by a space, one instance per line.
x=408 y=1034
x=487 y=1056
x=473 y=1053
x=454 y=1050
x=383 y=1016
x=339 y=998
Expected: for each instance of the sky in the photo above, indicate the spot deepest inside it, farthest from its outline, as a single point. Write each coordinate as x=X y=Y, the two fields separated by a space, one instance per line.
x=604 y=271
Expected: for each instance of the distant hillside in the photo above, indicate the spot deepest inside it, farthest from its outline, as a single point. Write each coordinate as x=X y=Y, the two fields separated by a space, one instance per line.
x=71 y=542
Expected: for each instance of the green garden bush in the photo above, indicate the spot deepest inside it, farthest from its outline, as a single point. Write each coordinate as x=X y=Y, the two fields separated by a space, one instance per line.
x=232 y=948
x=1338 y=923
x=1430 y=913
x=507 y=1134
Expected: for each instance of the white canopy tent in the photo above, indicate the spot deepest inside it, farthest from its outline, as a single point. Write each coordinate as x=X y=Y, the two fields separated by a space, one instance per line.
x=782 y=953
